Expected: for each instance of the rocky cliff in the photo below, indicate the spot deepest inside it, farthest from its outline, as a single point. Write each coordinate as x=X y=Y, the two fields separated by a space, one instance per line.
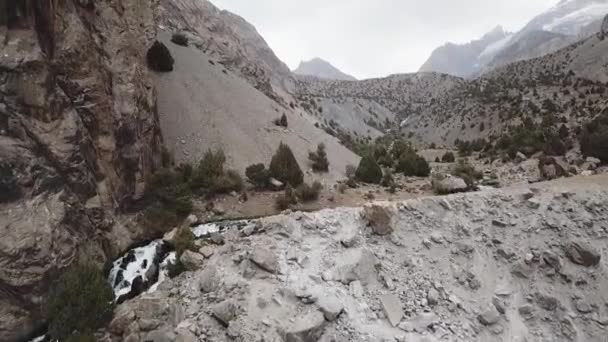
x=79 y=136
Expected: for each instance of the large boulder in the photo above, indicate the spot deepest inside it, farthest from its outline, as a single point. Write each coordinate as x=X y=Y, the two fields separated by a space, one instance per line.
x=379 y=219
x=307 y=328
x=192 y=261
x=449 y=185
x=353 y=265
x=582 y=254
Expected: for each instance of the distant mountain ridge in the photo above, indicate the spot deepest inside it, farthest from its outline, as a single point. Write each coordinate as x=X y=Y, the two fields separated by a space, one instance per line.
x=320 y=68
x=561 y=25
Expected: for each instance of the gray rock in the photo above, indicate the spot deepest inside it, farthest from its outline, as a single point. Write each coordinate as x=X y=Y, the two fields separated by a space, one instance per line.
x=432 y=297
x=391 y=305
x=526 y=311
x=308 y=328
x=331 y=307
x=520 y=157
x=583 y=306
x=265 y=259
x=437 y=238
x=489 y=316
x=209 y=280
x=499 y=223
x=419 y=323
x=547 y=302
x=206 y=251
x=192 y=220
x=522 y=270
x=191 y=261
x=552 y=260
x=276 y=184
x=160 y=336
x=450 y=185
x=356 y=289
x=224 y=311
x=354 y=265
x=582 y=254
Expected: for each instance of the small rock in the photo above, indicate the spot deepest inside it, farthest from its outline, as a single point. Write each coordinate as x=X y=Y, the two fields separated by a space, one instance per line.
x=206 y=251
x=419 y=323
x=582 y=254
x=432 y=297
x=547 y=302
x=265 y=259
x=583 y=306
x=552 y=260
x=331 y=307
x=522 y=270
x=526 y=311
x=437 y=238
x=192 y=220
x=308 y=328
x=276 y=184
x=191 y=261
x=391 y=305
x=499 y=223
x=356 y=289
x=224 y=311
x=209 y=280
x=489 y=316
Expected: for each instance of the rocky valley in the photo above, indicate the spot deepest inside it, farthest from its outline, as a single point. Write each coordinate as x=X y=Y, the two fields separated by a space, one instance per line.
x=164 y=176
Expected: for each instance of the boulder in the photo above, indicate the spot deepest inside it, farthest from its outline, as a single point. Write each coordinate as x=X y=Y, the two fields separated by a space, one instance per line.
x=355 y=264
x=224 y=312
x=520 y=157
x=379 y=219
x=582 y=254
x=209 y=279
x=449 y=185
x=307 y=328
x=547 y=302
x=391 y=305
x=489 y=315
x=266 y=259
x=331 y=307
x=276 y=184
x=419 y=323
x=191 y=261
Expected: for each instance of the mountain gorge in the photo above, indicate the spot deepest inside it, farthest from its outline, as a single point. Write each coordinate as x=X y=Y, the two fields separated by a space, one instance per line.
x=94 y=138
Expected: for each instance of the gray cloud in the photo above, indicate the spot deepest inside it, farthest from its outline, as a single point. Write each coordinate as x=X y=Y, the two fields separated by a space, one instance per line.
x=372 y=38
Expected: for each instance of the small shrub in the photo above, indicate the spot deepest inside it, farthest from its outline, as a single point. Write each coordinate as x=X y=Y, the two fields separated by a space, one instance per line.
x=368 y=171
x=209 y=169
x=258 y=175
x=319 y=159
x=411 y=164
x=287 y=199
x=594 y=139
x=387 y=179
x=285 y=168
x=308 y=193
x=179 y=39
x=159 y=58
x=448 y=157
x=467 y=172
x=170 y=200
x=228 y=182
x=350 y=171
x=183 y=241
x=79 y=303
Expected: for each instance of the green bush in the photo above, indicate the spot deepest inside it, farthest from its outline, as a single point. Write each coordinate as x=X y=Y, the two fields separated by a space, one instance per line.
x=448 y=157
x=467 y=172
x=159 y=58
x=308 y=193
x=594 y=139
x=319 y=159
x=169 y=199
x=179 y=39
x=368 y=171
x=183 y=240
x=287 y=199
x=387 y=179
x=411 y=164
x=80 y=302
x=284 y=167
x=227 y=182
x=209 y=169
x=258 y=175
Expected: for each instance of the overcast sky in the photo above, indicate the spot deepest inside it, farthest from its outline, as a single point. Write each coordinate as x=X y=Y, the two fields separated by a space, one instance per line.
x=372 y=38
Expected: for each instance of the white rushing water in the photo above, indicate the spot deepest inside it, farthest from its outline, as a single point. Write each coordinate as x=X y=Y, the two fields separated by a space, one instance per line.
x=144 y=259
x=205 y=229
x=163 y=272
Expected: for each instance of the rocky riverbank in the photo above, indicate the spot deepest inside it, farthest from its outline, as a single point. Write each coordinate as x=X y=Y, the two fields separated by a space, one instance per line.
x=499 y=265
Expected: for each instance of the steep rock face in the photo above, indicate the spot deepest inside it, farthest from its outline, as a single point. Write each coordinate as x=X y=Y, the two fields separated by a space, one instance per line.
x=231 y=39
x=79 y=136
x=464 y=60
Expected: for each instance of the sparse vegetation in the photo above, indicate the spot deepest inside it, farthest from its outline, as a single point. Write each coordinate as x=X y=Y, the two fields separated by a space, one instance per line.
x=369 y=171
x=169 y=200
x=319 y=160
x=258 y=175
x=285 y=168
x=287 y=199
x=594 y=138
x=79 y=303
x=467 y=172
x=448 y=157
x=179 y=39
x=211 y=176
x=307 y=193
x=159 y=58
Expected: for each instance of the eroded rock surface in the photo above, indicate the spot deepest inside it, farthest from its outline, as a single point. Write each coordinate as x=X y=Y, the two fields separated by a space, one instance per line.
x=398 y=288
x=78 y=138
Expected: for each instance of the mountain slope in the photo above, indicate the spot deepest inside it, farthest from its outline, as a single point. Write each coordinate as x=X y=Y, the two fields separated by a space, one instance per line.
x=466 y=59
x=322 y=69
x=202 y=106
x=562 y=25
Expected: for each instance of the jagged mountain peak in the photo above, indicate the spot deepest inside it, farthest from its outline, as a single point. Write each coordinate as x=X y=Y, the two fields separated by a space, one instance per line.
x=321 y=68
